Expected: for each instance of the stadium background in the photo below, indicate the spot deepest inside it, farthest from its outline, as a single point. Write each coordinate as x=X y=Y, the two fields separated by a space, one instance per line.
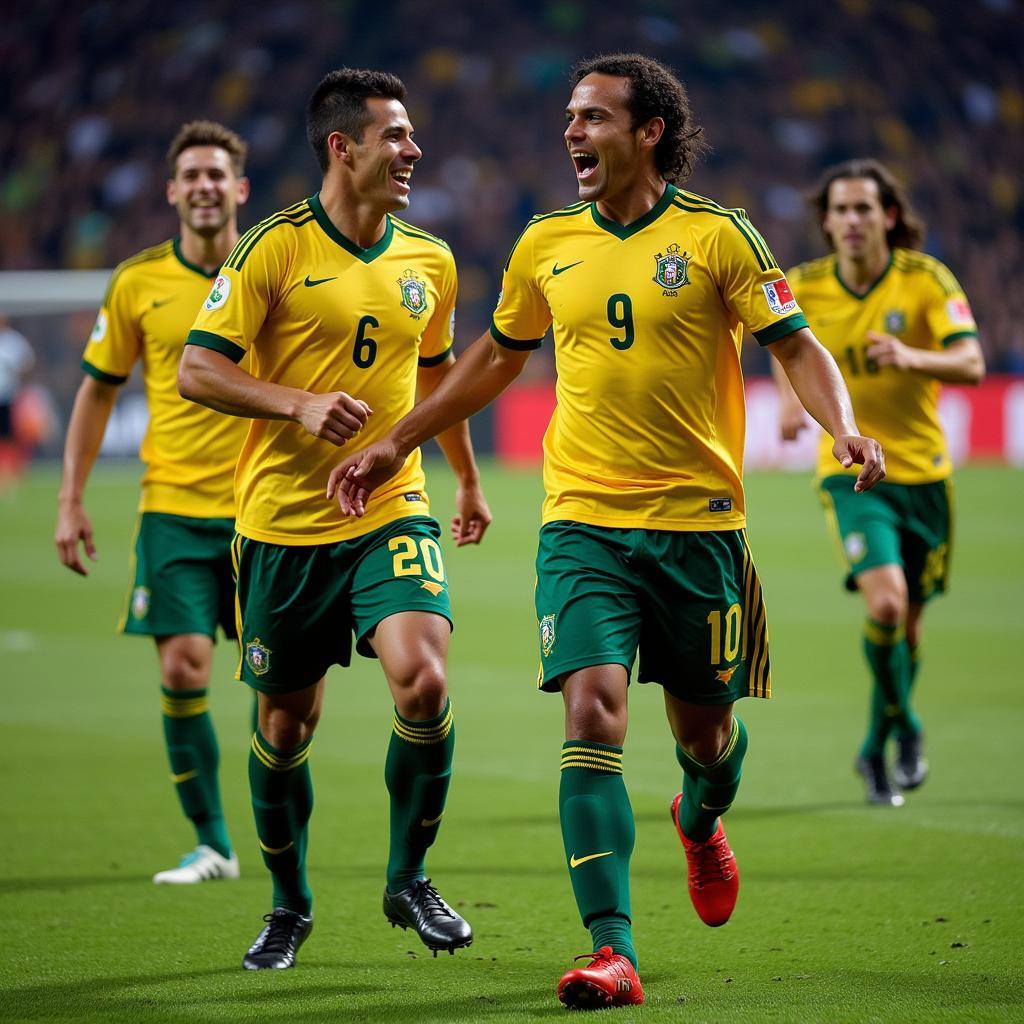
x=846 y=914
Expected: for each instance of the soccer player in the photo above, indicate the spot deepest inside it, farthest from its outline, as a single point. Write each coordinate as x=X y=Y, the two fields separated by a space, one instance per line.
x=183 y=582
x=346 y=310
x=649 y=288
x=898 y=324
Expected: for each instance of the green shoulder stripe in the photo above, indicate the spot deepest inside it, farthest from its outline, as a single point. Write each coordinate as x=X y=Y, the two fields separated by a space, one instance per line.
x=153 y=253
x=296 y=216
x=414 y=232
x=712 y=207
x=765 y=260
x=566 y=211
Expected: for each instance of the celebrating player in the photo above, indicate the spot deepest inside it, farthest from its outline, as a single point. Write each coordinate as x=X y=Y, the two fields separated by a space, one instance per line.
x=643 y=544
x=183 y=585
x=898 y=324
x=346 y=310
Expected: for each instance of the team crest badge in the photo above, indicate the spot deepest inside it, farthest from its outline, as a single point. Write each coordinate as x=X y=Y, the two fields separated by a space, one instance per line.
x=218 y=294
x=547 y=634
x=140 y=602
x=855 y=546
x=414 y=293
x=257 y=657
x=671 y=272
x=895 y=321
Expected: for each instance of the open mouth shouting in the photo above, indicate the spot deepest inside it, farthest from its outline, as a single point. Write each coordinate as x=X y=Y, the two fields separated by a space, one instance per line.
x=586 y=164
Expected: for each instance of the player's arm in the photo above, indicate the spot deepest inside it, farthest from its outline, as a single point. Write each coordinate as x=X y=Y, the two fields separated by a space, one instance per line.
x=483 y=371
x=93 y=405
x=210 y=378
x=792 y=415
x=819 y=385
x=472 y=513
x=961 y=362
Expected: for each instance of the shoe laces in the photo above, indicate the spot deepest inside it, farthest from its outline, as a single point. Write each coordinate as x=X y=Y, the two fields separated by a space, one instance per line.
x=279 y=933
x=429 y=899
x=710 y=861
x=604 y=953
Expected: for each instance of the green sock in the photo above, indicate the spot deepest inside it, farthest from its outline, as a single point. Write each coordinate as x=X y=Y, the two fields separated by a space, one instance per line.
x=282 y=801
x=598 y=833
x=417 y=771
x=888 y=657
x=709 y=789
x=194 y=757
x=914 y=660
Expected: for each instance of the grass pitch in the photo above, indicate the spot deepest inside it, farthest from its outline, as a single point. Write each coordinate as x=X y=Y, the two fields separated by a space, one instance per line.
x=846 y=913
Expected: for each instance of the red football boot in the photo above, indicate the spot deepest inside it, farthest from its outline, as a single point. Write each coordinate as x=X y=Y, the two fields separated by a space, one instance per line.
x=608 y=980
x=713 y=877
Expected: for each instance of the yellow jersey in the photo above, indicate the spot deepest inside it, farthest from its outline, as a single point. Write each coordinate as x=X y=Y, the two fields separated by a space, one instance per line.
x=189 y=451
x=317 y=312
x=648 y=318
x=917 y=300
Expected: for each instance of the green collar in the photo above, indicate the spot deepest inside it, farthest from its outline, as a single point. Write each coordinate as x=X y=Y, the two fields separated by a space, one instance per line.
x=365 y=255
x=874 y=284
x=626 y=231
x=192 y=266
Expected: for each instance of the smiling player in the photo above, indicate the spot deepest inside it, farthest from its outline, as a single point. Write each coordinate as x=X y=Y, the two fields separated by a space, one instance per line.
x=347 y=310
x=183 y=583
x=643 y=546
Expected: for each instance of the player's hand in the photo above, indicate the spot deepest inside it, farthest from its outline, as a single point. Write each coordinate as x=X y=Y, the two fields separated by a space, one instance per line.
x=851 y=449
x=74 y=527
x=885 y=350
x=354 y=480
x=334 y=417
x=792 y=419
x=472 y=515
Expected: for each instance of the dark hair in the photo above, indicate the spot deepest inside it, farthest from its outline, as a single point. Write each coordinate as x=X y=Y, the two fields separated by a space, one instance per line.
x=908 y=231
x=207 y=133
x=654 y=91
x=338 y=104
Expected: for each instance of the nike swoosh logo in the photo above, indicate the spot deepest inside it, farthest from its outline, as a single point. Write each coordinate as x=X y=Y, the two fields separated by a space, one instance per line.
x=310 y=283
x=157 y=303
x=433 y=821
x=575 y=862
x=556 y=269
x=271 y=850
x=184 y=776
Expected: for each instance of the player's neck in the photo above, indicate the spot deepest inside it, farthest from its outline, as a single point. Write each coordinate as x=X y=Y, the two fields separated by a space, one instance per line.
x=359 y=222
x=861 y=272
x=631 y=204
x=208 y=253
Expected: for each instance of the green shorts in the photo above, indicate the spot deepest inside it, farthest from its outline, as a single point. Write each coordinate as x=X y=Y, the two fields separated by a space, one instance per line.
x=299 y=606
x=909 y=525
x=183 y=578
x=689 y=601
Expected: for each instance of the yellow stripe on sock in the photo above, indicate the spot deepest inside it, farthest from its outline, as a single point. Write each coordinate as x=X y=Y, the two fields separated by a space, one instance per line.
x=589 y=760
x=189 y=707
x=412 y=732
x=883 y=637
x=729 y=748
x=273 y=761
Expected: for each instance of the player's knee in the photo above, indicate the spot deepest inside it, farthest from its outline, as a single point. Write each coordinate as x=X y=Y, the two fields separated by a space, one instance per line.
x=422 y=692
x=888 y=607
x=183 y=672
x=705 y=743
x=287 y=729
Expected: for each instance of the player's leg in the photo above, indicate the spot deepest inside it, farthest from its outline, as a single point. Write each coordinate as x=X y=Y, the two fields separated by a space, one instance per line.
x=589 y=626
x=292 y=612
x=194 y=757
x=413 y=647
x=705 y=640
x=175 y=599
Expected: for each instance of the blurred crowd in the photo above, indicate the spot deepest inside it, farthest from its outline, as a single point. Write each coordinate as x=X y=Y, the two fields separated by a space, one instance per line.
x=94 y=91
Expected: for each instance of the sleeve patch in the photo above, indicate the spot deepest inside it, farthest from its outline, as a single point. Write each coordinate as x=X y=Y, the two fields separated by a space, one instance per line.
x=959 y=312
x=779 y=296
x=219 y=293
